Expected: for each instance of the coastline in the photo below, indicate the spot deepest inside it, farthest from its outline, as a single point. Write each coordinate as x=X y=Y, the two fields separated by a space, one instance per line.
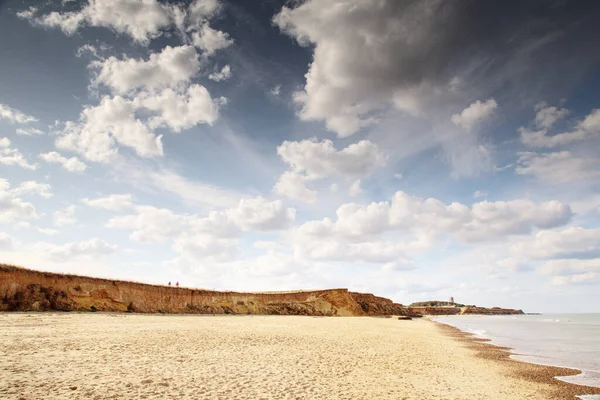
x=542 y=374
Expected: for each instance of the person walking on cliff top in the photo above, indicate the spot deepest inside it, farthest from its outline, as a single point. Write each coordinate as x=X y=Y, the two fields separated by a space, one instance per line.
x=169 y=283
x=177 y=284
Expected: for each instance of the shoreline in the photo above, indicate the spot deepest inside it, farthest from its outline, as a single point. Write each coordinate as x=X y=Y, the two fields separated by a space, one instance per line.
x=538 y=373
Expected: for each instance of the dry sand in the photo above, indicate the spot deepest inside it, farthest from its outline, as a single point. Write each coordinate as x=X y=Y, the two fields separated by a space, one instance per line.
x=130 y=356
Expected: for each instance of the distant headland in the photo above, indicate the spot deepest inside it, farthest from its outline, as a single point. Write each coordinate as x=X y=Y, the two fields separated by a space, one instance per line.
x=29 y=290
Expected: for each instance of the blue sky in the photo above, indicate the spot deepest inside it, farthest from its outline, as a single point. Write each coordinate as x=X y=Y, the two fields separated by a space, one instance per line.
x=416 y=150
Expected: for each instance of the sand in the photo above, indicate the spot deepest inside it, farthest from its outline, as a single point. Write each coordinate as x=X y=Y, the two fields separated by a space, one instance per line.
x=130 y=356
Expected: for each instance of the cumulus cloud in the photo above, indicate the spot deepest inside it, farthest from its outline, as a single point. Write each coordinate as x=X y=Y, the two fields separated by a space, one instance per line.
x=210 y=40
x=585 y=129
x=546 y=116
x=65 y=217
x=113 y=202
x=372 y=54
x=558 y=167
x=312 y=160
x=32 y=187
x=473 y=115
x=72 y=164
x=320 y=159
x=12 y=208
x=214 y=237
x=151 y=224
x=10 y=156
x=14 y=115
x=479 y=194
x=222 y=75
x=91 y=248
x=259 y=214
x=143 y=20
x=169 y=68
x=293 y=185
x=180 y=111
x=114 y=122
x=572 y=242
x=103 y=126
x=572 y=271
x=483 y=221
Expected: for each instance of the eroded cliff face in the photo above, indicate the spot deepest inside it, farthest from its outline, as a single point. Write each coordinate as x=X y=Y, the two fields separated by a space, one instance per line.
x=27 y=290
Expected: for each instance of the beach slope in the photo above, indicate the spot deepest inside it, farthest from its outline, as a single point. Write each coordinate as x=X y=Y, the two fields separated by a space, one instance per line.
x=98 y=356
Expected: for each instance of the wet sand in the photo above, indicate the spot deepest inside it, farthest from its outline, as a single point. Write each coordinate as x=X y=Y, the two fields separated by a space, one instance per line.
x=130 y=356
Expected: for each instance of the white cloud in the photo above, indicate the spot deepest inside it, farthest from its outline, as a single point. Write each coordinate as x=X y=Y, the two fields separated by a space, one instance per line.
x=222 y=75
x=293 y=185
x=311 y=160
x=6 y=241
x=113 y=202
x=355 y=188
x=370 y=54
x=143 y=20
x=479 y=194
x=14 y=115
x=571 y=242
x=568 y=271
x=154 y=225
x=14 y=209
x=29 y=131
x=180 y=111
x=72 y=164
x=588 y=128
x=151 y=225
x=32 y=187
x=546 y=116
x=48 y=231
x=201 y=10
x=321 y=159
x=557 y=167
x=91 y=248
x=114 y=122
x=259 y=214
x=65 y=217
x=483 y=221
x=473 y=115
x=170 y=67
x=10 y=156
x=210 y=40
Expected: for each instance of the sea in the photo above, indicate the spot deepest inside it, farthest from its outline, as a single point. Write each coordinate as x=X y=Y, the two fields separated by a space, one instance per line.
x=561 y=340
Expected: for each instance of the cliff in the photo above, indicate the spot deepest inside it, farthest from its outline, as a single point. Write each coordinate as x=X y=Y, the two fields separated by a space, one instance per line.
x=435 y=307
x=27 y=290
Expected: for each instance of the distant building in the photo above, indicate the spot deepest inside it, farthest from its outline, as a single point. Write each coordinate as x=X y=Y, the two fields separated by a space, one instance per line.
x=451 y=300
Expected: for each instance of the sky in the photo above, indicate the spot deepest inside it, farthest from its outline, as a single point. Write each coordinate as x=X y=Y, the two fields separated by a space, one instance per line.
x=416 y=150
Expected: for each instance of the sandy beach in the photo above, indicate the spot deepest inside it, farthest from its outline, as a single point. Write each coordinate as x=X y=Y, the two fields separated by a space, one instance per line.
x=101 y=356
